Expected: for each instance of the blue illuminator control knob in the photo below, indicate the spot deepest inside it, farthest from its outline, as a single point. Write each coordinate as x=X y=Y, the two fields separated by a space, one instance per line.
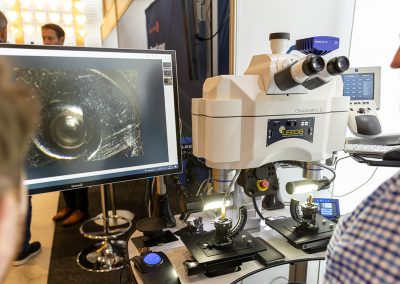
x=152 y=259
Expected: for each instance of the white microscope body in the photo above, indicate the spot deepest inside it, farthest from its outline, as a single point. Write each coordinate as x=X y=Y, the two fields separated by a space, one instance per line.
x=246 y=121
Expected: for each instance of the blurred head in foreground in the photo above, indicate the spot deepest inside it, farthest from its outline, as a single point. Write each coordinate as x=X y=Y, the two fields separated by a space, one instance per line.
x=19 y=114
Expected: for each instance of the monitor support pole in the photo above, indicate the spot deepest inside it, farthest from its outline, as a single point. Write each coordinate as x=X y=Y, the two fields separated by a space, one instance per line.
x=109 y=254
x=164 y=207
x=114 y=213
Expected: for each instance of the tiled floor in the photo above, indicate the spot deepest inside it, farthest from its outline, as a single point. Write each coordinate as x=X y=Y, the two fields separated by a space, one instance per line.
x=37 y=269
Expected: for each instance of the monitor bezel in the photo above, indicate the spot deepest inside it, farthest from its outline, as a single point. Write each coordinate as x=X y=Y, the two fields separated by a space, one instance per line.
x=127 y=177
x=376 y=70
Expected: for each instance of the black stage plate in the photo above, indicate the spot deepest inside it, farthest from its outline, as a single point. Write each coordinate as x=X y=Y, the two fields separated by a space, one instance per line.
x=240 y=250
x=308 y=242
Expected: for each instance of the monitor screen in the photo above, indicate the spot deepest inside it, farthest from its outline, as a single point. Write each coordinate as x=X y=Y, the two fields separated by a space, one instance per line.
x=107 y=115
x=358 y=86
x=327 y=207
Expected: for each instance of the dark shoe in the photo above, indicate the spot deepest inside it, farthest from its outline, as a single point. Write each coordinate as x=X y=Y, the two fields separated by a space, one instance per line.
x=23 y=257
x=76 y=217
x=63 y=214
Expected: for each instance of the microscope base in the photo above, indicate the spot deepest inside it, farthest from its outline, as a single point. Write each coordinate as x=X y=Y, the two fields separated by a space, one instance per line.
x=213 y=261
x=308 y=242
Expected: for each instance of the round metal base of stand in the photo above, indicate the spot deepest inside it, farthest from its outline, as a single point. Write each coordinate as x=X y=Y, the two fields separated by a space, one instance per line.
x=103 y=257
x=116 y=221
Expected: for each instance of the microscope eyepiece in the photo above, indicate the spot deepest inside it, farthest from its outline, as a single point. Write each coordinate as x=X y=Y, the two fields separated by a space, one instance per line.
x=298 y=72
x=334 y=67
x=338 y=65
x=313 y=64
x=279 y=36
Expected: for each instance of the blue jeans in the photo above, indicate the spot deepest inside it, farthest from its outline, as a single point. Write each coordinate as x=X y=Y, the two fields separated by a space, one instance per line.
x=28 y=220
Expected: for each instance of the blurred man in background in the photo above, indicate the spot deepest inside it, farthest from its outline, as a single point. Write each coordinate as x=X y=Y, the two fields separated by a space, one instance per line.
x=53 y=34
x=3 y=28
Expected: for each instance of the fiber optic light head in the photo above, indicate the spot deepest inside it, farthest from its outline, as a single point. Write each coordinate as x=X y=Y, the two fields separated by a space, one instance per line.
x=305 y=186
x=215 y=202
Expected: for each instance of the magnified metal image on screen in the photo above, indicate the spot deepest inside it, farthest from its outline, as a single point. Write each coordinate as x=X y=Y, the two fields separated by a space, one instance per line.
x=87 y=115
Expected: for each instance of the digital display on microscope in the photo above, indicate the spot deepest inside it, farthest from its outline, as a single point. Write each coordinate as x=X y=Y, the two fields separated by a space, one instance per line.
x=358 y=86
x=363 y=86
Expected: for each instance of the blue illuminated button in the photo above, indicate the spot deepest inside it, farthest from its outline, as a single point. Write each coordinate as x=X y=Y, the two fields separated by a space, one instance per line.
x=152 y=259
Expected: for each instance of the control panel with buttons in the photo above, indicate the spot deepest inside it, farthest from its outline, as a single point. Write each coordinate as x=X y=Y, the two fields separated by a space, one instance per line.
x=155 y=267
x=362 y=85
x=301 y=128
x=363 y=119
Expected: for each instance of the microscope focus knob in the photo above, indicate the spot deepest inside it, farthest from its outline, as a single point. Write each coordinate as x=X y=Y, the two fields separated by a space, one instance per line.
x=262 y=185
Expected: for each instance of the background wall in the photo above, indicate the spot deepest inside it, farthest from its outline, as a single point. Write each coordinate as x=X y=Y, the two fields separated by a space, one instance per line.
x=132 y=26
x=374 y=42
x=256 y=19
x=111 y=40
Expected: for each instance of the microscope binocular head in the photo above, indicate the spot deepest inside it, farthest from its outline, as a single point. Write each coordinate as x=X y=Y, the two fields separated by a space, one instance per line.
x=311 y=72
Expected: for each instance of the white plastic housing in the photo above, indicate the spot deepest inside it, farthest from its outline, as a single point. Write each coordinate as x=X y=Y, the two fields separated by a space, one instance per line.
x=229 y=123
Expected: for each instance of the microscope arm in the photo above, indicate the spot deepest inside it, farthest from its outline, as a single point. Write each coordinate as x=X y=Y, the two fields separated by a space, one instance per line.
x=240 y=223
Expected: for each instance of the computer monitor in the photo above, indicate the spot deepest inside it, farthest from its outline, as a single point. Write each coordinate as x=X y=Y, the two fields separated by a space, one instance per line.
x=108 y=115
x=363 y=86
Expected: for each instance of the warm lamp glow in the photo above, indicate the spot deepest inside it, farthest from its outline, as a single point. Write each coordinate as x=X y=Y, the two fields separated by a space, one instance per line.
x=52 y=4
x=54 y=17
x=12 y=16
x=216 y=204
x=10 y=3
x=81 y=19
x=25 y=3
x=68 y=19
x=27 y=17
x=39 y=4
x=67 y=6
x=41 y=17
x=69 y=31
x=80 y=6
x=28 y=29
x=14 y=30
x=82 y=32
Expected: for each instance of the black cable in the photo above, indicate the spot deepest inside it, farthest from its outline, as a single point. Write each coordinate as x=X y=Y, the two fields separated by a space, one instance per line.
x=219 y=29
x=256 y=208
x=341 y=159
x=301 y=165
x=123 y=268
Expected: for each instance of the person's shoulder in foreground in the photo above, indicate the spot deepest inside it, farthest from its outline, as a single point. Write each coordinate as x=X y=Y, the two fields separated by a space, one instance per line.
x=366 y=246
